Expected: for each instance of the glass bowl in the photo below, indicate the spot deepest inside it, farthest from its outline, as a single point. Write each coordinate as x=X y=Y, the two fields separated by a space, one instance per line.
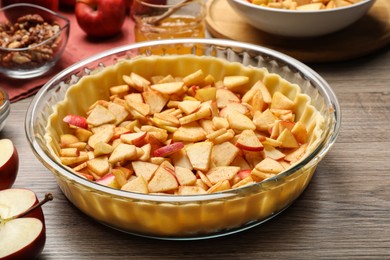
x=193 y=216
x=300 y=23
x=30 y=45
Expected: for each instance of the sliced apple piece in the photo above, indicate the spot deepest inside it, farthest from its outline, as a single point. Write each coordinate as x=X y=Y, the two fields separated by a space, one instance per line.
x=206 y=94
x=163 y=179
x=235 y=83
x=168 y=88
x=296 y=154
x=194 y=78
x=155 y=100
x=144 y=169
x=67 y=139
x=191 y=132
x=100 y=115
x=185 y=176
x=221 y=173
x=239 y=121
x=168 y=149
x=223 y=96
x=264 y=120
x=99 y=165
x=287 y=139
x=191 y=190
x=108 y=180
x=180 y=159
x=272 y=152
x=248 y=140
x=204 y=112
x=118 y=111
x=123 y=152
x=280 y=101
x=300 y=132
x=189 y=106
x=269 y=165
x=77 y=121
x=137 y=139
x=199 y=155
x=138 y=184
x=223 y=154
x=220 y=186
x=105 y=133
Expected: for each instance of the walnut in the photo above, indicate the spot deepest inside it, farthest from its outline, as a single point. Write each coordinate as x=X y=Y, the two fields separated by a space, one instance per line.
x=29 y=31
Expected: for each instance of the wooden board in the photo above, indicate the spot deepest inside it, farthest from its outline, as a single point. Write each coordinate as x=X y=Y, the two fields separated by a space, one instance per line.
x=370 y=33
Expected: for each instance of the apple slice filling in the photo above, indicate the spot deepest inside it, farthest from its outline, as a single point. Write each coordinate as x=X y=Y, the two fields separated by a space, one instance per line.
x=183 y=136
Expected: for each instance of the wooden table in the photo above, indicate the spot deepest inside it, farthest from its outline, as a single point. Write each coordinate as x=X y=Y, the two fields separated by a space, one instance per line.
x=344 y=213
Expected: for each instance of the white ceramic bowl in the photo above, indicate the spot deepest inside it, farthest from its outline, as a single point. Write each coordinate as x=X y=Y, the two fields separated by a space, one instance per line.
x=295 y=23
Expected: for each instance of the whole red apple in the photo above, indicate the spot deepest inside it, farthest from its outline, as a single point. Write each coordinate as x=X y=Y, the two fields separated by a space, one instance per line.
x=100 y=18
x=67 y=3
x=9 y=163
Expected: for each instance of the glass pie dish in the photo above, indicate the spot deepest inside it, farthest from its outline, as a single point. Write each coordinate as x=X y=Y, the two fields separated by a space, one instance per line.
x=181 y=217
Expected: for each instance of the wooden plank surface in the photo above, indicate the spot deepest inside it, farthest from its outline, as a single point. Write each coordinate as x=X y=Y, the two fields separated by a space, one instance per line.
x=367 y=35
x=343 y=214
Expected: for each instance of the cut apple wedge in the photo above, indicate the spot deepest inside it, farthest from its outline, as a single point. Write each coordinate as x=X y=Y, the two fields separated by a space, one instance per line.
x=206 y=94
x=189 y=106
x=109 y=180
x=223 y=96
x=77 y=121
x=199 y=155
x=100 y=115
x=168 y=149
x=280 y=101
x=224 y=153
x=185 y=176
x=221 y=173
x=269 y=165
x=22 y=228
x=144 y=169
x=235 y=83
x=163 y=179
x=287 y=139
x=155 y=100
x=248 y=140
x=139 y=185
x=9 y=163
x=168 y=88
x=191 y=132
x=137 y=139
x=239 y=121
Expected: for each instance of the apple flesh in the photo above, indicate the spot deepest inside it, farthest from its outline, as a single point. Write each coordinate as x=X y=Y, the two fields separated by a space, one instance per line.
x=22 y=226
x=100 y=18
x=9 y=163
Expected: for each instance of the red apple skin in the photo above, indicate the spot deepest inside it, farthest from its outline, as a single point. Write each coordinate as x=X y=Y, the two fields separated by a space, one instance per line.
x=168 y=149
x=100 y=18
x=9 y=171
x=244 y=173
x=76 y=120
x=250 y=148
x=31 y=251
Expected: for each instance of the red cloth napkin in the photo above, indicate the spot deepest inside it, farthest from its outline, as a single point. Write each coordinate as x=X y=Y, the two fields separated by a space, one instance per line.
x=79 y=47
